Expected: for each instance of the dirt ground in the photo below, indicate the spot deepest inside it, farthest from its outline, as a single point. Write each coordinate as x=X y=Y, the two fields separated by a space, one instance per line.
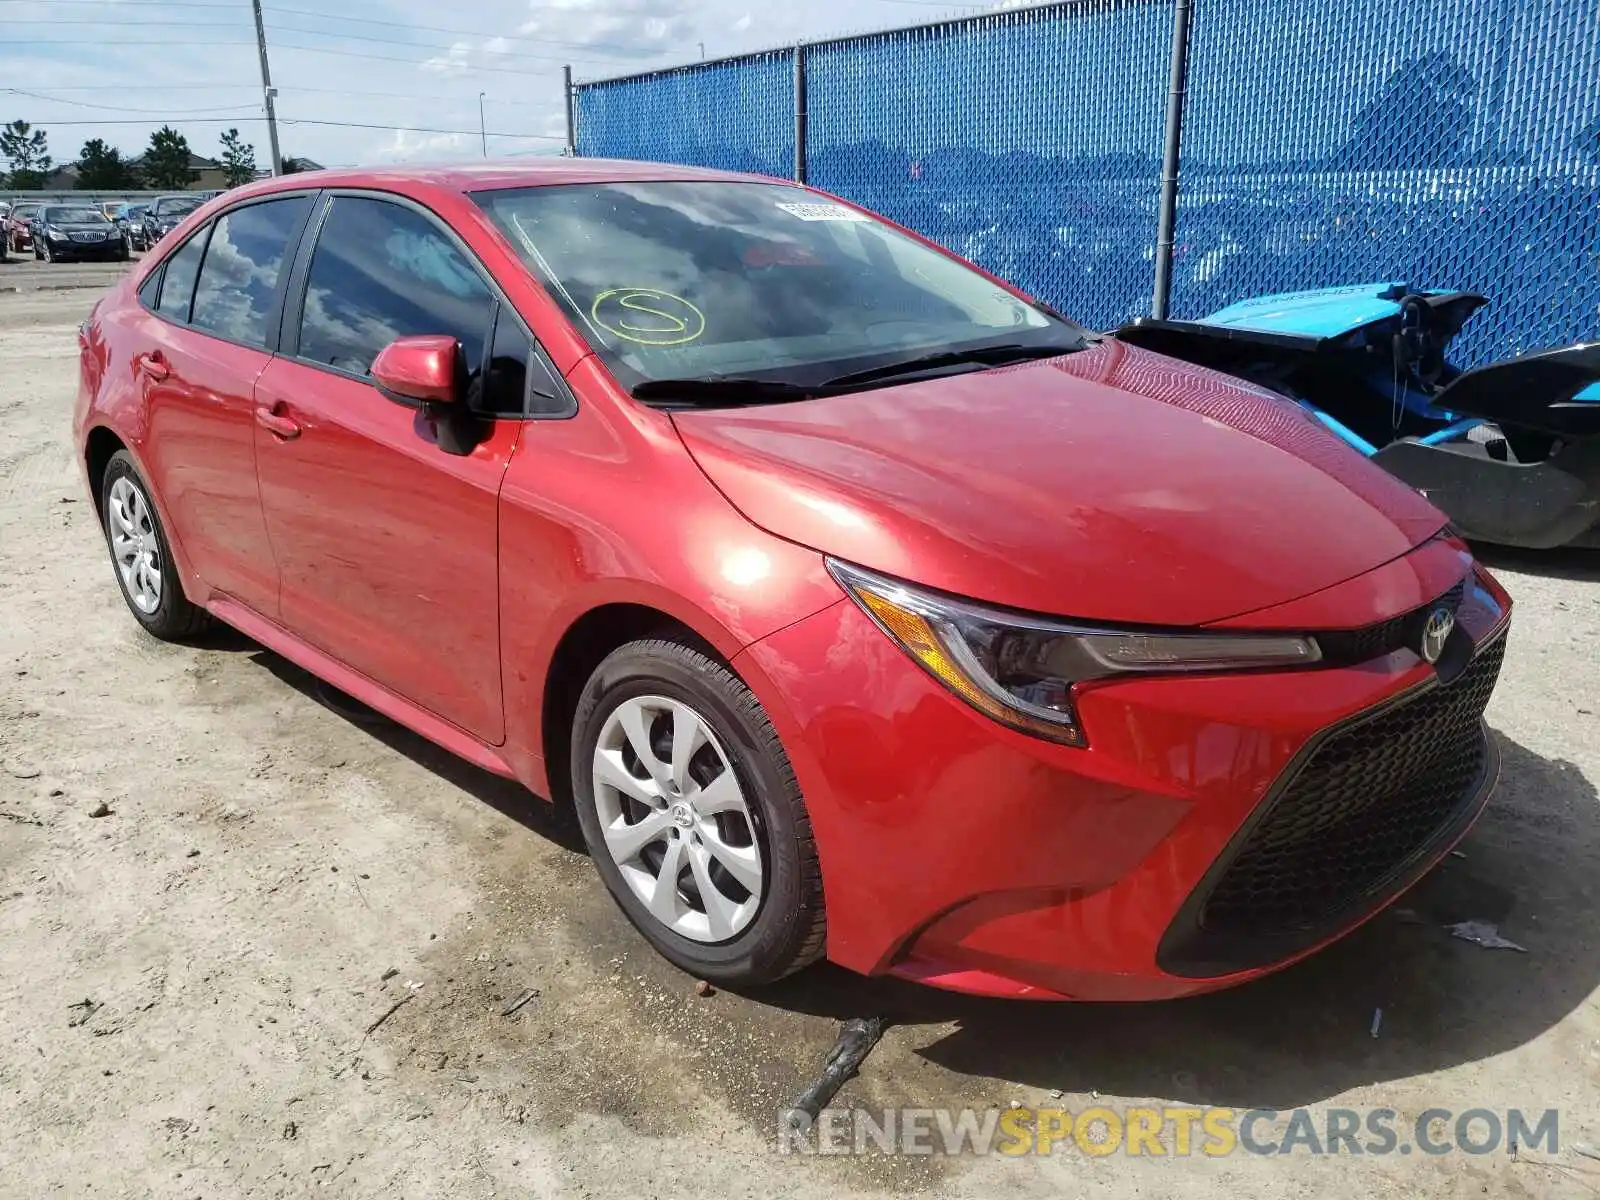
x=193 y=984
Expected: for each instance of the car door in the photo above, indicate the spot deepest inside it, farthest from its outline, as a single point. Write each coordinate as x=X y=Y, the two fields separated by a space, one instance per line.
x=208 y=330
x=386 y=544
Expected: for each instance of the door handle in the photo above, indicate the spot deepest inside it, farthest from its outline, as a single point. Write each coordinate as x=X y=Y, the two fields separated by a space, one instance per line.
x=153 y=364
x=275 y=423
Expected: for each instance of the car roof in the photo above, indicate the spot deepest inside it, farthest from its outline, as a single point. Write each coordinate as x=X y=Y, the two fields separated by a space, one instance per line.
x=488 y=176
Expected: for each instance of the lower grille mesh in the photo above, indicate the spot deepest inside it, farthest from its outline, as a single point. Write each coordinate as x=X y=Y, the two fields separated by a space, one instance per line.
x=1361 y=808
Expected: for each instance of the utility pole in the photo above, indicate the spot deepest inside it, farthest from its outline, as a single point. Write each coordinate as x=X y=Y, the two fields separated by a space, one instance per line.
x=269 y=92
x=571 y=148
x=483 y=134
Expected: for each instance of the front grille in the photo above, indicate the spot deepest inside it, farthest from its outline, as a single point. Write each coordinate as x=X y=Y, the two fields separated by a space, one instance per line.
x=87 y=237
x=1342 y=647
x=1359 y=811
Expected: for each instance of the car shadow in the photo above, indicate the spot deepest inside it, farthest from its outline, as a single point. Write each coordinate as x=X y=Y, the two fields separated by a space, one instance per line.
x=1291 y=1039
x=1565 y=562
x=505 y=796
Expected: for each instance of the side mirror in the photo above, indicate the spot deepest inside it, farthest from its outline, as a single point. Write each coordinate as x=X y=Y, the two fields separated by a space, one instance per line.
x=421 y=369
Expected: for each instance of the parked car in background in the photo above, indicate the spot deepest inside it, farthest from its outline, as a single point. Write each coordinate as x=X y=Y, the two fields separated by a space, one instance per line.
x=129 y=220
x=165 y=213
x=858 y=604
x=108 y=208
x=64 y=232
x=19 y=225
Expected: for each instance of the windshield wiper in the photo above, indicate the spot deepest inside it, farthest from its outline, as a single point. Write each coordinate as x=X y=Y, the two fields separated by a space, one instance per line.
x=724 y=389
x=987 y=356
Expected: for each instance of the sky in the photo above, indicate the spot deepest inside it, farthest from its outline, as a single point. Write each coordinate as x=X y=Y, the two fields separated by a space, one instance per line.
x=381 y=81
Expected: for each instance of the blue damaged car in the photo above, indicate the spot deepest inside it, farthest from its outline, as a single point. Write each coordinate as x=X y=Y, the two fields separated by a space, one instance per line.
x=1510 y=451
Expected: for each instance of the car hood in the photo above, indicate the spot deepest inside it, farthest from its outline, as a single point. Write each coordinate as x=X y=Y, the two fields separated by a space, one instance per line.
x=1110 y=485
x=80 y=226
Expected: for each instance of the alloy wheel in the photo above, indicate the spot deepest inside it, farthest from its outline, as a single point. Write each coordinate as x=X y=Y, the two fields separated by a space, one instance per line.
x=134 y=545
x=676 y=820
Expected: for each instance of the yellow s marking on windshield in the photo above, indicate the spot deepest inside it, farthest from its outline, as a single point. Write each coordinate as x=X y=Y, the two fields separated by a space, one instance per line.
x=647 y=316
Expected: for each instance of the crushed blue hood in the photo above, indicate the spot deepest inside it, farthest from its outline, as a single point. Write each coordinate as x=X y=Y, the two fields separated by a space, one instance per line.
x=1323 y=313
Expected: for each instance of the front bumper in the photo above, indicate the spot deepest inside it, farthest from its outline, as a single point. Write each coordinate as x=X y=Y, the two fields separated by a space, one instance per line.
x=964 y=855
x=108 y=251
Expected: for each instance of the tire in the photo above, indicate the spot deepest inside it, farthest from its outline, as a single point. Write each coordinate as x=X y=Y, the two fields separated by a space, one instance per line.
x=49 y=253
x=776 y=930
x=126 y=511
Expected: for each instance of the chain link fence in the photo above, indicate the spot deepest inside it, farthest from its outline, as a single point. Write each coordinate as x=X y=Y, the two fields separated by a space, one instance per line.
x=1445 y=144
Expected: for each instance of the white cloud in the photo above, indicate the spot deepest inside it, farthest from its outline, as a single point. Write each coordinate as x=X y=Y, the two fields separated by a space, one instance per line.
x=510 y=49
x=453 y=62
x=619 y=28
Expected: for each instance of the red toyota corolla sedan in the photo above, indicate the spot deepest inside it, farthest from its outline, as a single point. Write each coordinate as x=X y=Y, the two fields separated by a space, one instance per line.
x=859 y=605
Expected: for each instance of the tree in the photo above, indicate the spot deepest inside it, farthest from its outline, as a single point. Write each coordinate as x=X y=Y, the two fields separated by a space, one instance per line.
x=102 y=168
x=27 y=149
x=238 y=159
x=166 y=162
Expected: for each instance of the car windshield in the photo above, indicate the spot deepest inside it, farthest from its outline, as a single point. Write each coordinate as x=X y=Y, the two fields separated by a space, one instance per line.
x=25 y=210
x=74 y=216
x=177 y=206
x=719 y=280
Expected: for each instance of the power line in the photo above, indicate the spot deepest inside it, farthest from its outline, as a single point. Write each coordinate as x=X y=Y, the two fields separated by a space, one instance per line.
x=542 y=137
x=113 y=4
x=627 y=52
x=338 y=53
x=124 y=108
x=283 y=89
x=358 y=37
x=414 y=62
x=619 y=51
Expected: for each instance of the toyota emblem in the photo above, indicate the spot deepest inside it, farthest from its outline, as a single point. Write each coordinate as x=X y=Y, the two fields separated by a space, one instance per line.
x=1436 y=633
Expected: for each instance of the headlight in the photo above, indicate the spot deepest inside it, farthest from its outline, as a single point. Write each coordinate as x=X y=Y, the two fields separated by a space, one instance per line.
x=55 y=235
x=1021 y=670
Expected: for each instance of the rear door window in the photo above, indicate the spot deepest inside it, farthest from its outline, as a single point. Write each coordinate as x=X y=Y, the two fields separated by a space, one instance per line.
x=238 y=288
x=381 y=271
x=177 y=280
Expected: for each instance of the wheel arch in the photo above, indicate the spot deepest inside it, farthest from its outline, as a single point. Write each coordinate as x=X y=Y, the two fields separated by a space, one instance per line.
x=100 y=444
x=583 y=645
x=98 y=447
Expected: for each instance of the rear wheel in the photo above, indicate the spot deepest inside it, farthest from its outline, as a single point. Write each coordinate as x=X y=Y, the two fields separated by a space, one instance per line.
x=140 y=556
x=692 y=814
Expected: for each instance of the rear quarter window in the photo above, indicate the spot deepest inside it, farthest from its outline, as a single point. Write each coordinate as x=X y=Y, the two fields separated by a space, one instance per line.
x=238 y=284
x=177 y=279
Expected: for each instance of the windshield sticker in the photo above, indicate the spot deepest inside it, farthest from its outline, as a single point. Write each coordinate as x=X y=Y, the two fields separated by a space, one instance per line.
x=823 y=212
x=647 y=316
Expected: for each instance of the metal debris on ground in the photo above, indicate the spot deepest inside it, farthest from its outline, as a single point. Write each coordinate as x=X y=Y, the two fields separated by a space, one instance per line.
x=101 y=810
x=82 y=1011
x=1377 y=1020
x=1485 y=934
x=856 y=1040
x=521 y=1000
x=389 y=974
x=392 y=1009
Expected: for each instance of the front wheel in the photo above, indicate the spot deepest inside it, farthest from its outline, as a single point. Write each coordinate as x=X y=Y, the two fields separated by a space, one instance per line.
x=693 y=817
x=49 y=253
